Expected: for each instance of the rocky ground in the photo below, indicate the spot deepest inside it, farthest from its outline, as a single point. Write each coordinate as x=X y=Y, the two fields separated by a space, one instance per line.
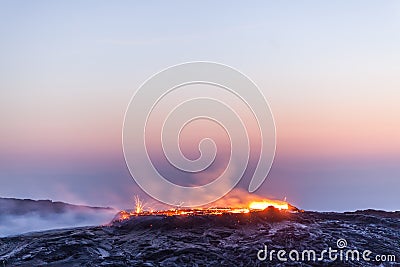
x=211 y=240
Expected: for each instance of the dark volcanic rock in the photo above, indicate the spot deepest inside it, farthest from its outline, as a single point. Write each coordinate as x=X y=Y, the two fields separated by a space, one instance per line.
x=209 y=240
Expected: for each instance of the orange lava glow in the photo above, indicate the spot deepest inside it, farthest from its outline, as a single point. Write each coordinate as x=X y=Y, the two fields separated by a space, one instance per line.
x=261 y=205
x=254 y=206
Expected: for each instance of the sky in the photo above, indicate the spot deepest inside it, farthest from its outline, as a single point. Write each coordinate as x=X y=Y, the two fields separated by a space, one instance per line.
x=329 y=70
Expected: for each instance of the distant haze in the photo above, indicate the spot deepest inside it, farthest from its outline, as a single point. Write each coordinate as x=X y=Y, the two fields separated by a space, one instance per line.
x=330 y=71
x=20 y=216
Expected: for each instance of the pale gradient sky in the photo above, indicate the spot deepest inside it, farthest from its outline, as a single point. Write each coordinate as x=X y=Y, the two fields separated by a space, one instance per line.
x=330 y=71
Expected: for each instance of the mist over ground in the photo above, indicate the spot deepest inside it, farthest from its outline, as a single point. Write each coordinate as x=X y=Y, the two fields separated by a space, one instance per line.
x=19 y=216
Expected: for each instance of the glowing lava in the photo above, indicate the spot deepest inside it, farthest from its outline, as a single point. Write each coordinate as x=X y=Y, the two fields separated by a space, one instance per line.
x=261 y=205
x=139 y=205
x=253 y=206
